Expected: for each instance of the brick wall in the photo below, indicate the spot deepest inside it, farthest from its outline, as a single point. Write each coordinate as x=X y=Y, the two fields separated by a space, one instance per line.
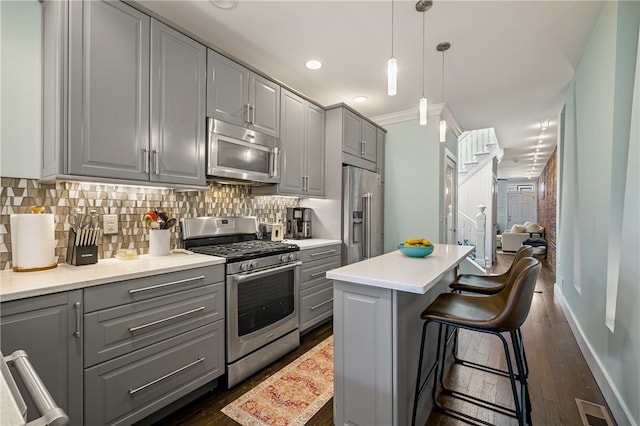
x=547 y=197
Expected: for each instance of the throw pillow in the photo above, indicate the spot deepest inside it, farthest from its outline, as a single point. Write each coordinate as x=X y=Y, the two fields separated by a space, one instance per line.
x=518 y=229
x=534 y=227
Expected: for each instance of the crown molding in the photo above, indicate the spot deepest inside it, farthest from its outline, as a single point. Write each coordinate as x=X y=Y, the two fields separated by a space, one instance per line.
x=440 y=110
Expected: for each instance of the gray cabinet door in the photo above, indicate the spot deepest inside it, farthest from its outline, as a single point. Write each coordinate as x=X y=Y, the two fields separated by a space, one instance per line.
x=109 y=90
x=227 y=89
x=370 y=150
x=315 y=148
x=44 y=327
x=264 y=97
x=380 y=156
x=292 y=139
x=178 y=107
x=352 y=133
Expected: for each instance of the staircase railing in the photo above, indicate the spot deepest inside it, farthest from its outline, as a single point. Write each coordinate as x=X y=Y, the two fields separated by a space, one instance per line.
x=467 y=229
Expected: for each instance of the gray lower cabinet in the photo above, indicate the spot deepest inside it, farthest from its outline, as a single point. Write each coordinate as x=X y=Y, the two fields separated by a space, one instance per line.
x=150 y=341
x=316 y=291
x=135 y=91
x=49 y=329
x=239 y=96
x=303 y=149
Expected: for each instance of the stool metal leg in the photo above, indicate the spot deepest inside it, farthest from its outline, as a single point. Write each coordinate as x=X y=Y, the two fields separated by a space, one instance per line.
x=420 y=384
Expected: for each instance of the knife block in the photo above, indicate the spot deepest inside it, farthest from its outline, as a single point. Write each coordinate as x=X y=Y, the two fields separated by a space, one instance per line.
x=80 y=255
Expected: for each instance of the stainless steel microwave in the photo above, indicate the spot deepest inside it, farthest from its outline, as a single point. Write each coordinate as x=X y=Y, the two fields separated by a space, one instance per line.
x=237 y=153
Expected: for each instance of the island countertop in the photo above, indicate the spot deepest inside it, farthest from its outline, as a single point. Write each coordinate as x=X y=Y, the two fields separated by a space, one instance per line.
x=396 y=271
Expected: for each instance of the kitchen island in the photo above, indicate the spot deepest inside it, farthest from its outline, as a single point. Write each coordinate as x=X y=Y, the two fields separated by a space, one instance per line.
x=377 y=329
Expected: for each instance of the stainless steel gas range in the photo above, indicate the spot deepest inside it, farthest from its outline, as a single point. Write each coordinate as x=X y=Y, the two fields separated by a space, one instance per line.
x=262 y=284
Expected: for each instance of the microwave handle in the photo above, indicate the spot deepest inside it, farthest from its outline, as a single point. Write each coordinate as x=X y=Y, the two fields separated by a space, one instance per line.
x=274 y=161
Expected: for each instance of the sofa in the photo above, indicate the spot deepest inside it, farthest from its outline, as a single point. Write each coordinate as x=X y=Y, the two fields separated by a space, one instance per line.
x=512 y=239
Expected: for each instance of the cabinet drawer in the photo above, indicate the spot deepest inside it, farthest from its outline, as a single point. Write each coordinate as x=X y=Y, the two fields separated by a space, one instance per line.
x=313 y=273
x=113 y=332
x=127 y=389
x=109 y=295
x=316 y=305
x=320 y=252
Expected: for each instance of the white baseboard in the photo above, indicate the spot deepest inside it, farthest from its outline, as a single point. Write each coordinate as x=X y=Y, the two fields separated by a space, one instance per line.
x=618 y=408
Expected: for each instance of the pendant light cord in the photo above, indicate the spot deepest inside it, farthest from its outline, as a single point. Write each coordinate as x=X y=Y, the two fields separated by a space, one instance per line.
x=392 y=28
x=443 y=76
x=423 y=13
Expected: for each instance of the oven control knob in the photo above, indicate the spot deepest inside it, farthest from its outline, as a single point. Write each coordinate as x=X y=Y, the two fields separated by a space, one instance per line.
x=292 y=257
x=253 y=264
x=244 y=266
x=283 y=258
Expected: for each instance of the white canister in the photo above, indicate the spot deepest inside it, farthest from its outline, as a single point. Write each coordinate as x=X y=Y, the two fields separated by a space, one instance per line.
x=33 y=246
x=159 y=242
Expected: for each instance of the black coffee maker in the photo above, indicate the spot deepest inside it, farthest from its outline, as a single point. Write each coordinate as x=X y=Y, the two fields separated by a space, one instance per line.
x=298 y=223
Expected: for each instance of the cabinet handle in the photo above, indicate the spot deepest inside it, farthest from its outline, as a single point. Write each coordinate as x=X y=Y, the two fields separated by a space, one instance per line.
x=160 y=321
x=320 y=304
x=363 y=147
x=145 y=152
x=166 y=376
x=317 y=274
x=156 y=161
x=320 y=253
x=252 y=108
x=247 y=113
x=78 y=317
x=153 y=287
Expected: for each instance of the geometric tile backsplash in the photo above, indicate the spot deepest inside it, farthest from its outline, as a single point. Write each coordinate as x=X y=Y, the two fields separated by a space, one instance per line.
x=130 y=203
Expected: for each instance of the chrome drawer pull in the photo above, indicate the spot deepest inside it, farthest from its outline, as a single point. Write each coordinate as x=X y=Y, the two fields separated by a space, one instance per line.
x=172 y=317
x=320 y=253
x=320 y=304
x=166 y=376
x=317 y=274
x=153 y=287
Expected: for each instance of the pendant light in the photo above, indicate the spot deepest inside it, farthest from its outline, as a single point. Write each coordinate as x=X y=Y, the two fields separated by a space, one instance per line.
x=392 y=66
x=443 y=47
x=422 y=6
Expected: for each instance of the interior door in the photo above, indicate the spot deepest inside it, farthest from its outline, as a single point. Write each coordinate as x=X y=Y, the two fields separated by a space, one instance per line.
x=521 y=208
x=450 y=199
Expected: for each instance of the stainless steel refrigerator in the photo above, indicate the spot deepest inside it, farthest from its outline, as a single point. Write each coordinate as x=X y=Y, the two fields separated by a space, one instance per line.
x=362 y=214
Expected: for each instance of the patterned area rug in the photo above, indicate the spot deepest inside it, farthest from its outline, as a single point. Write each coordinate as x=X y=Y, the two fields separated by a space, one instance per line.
x=291 y=396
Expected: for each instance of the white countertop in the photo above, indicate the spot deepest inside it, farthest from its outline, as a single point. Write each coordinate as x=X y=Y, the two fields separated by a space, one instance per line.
x=313 y=243
x=19 y=285
x=395 y=271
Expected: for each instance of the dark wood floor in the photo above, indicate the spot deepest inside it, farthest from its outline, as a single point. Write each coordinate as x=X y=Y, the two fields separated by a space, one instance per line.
x=559 y=373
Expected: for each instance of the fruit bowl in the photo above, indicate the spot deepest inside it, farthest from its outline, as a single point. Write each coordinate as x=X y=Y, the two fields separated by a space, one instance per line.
x=415 y=251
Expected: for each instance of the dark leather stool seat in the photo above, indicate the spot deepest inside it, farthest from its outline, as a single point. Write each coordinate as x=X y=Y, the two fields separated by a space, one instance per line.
x=489 y=284
x=504 y=312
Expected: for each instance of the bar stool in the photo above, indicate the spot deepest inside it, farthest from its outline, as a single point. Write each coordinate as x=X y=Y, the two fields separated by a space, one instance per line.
x=489 y=284
x=496 y=314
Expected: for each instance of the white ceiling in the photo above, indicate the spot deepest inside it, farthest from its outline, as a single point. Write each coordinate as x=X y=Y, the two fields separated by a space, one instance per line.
x=509 y=65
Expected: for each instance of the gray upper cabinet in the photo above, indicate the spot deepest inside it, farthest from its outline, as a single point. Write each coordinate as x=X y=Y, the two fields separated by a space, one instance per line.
x=303 y=149
x=108 y=90
x=359 y=137
x=239 y=96
x=136 y=96
x=380 y=141
x=49 y=329
x=178 y=107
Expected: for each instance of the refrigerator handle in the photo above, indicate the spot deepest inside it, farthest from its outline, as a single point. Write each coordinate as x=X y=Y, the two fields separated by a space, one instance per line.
x=366 y=231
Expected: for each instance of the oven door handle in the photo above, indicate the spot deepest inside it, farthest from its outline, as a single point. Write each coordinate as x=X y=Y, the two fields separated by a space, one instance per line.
x=266 y=272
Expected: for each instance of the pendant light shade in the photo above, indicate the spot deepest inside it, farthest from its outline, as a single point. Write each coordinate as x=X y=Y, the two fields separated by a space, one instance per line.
x=392 y=77
x=423 y=111
x=443 y=47
x=392 y=66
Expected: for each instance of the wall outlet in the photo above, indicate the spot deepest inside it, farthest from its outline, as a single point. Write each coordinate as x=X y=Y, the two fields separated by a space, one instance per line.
x=278 y=217
x=110 y=224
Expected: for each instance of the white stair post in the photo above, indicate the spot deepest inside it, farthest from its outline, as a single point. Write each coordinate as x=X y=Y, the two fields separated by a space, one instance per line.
x=481 y=220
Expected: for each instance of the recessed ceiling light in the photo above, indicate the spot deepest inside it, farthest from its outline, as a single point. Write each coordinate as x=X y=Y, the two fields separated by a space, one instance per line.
x=360 y=99
x=313 y=64
x=225 y=4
